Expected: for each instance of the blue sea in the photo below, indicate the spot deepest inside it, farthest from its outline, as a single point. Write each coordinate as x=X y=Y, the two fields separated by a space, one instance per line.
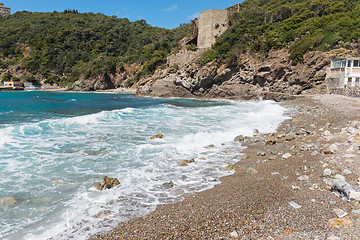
x=54 y=146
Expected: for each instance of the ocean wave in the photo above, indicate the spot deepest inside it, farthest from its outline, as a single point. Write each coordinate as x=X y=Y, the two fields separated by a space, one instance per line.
x=61 y=158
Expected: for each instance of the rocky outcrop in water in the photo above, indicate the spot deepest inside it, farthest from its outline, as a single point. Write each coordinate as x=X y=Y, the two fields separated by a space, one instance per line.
x=157 y=136
x=8 y=201
x=107 y=183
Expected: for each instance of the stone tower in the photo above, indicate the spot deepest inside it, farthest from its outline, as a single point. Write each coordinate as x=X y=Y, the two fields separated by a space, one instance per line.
x=212 y=23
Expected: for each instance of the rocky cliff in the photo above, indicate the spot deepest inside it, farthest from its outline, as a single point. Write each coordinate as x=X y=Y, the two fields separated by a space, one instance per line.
x=121 y=79
x=247 y=77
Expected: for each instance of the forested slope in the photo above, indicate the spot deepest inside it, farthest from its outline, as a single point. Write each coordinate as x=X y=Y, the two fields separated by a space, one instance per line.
x=63 y=47
x=296 y=25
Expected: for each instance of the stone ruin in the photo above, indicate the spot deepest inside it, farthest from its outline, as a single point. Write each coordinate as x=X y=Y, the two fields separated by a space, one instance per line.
x=205 y=30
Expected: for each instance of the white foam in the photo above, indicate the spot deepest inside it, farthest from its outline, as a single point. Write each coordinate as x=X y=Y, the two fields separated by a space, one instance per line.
x=80 y=150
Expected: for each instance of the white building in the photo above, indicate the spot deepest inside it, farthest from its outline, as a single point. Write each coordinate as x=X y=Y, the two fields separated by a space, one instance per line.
x=346 y=71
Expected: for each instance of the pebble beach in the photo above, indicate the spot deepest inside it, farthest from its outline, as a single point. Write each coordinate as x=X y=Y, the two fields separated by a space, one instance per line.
x=301 y=182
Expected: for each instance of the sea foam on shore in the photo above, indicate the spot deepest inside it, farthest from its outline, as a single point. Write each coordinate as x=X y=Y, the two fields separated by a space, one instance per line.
x=51 y=164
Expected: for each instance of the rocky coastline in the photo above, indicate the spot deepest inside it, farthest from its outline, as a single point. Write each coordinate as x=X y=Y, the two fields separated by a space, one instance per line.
x=301 y=182
x=248 y=77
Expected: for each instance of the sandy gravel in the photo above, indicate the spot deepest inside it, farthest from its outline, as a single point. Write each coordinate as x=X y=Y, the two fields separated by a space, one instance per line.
x=256 y=206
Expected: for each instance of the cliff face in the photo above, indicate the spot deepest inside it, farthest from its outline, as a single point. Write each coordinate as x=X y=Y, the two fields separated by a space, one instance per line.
x=245 y=78
x=120 y=79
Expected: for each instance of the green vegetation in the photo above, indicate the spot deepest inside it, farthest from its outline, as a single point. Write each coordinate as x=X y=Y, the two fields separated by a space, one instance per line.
x=6 y=77
x=297 y=25
x=63 y=47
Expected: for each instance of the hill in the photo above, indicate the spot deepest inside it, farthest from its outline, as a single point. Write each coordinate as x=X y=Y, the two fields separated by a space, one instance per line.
x=299 y=26
x=272 y=49
x=63 y=47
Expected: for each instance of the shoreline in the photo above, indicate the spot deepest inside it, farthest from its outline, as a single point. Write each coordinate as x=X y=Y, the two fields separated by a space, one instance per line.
x=254 y=201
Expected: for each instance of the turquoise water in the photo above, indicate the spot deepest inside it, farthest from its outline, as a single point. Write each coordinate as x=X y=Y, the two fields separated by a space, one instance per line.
x=53 y=146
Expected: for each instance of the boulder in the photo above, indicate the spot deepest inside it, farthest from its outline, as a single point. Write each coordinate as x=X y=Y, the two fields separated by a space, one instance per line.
x=97 y=185
x=157 y=136
x=110 y=182
x=290 y=137
x=239 y=138
x=345 y=189
x=271 y=141
x=168 y=185
x=107 y=183
x=186 y=162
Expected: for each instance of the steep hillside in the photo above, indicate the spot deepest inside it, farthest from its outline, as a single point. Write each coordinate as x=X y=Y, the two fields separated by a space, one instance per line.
x=299 y=26
x=68 y=46
x=272 y=49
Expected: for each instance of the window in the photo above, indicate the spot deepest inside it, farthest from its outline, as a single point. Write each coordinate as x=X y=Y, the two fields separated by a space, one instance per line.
x=356 y=63
x=349 y=81
x=357 y=81
x=339 y=63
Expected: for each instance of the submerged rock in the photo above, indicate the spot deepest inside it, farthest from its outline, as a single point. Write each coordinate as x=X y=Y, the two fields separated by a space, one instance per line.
x=108 y=183
x=157 y=136
x=186 y=162
x=8 y=201
x=177 y=192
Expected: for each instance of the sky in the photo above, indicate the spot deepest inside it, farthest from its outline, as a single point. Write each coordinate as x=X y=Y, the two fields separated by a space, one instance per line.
x=159 y=13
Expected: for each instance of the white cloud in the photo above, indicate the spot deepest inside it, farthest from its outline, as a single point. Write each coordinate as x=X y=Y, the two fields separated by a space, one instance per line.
x=194 y=15
x=171 y=9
